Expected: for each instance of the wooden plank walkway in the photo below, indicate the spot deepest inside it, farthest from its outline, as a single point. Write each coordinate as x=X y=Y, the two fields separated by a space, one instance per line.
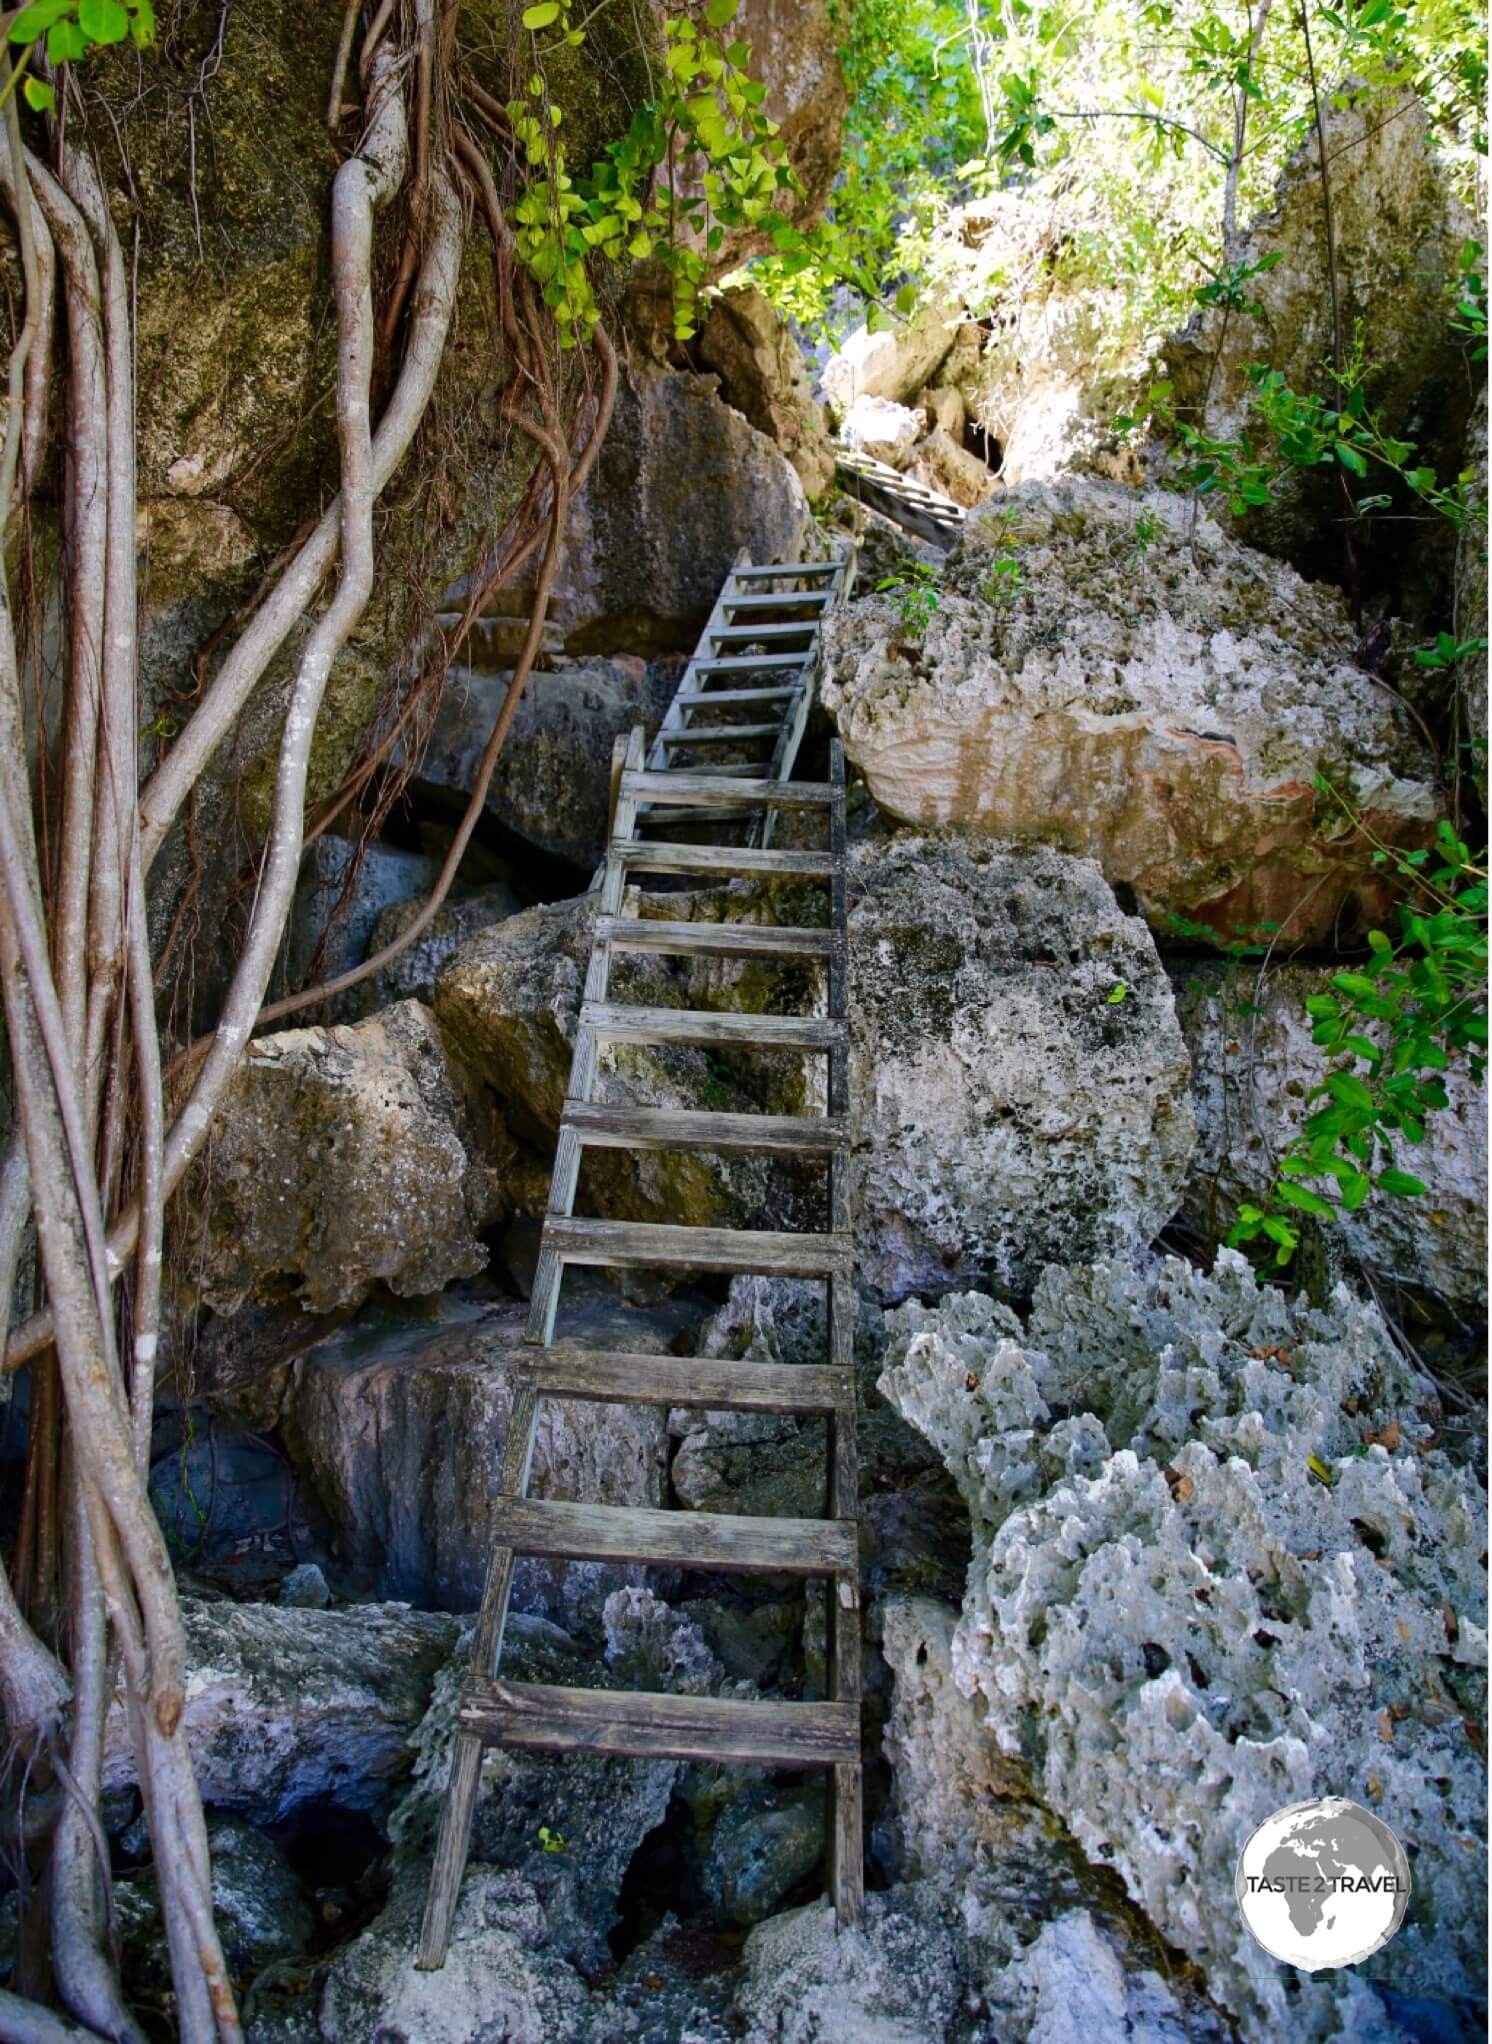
x=760 y=646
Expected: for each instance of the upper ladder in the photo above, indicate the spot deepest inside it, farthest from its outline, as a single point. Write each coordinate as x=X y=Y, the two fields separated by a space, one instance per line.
x=749 y=684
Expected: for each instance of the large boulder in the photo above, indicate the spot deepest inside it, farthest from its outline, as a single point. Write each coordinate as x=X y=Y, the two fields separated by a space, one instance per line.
x=751 y=348
x=401 y=1430
x=342 y=1158
x=1141 y=690
x=1253 y=1066
x=1398 y=230
x=293 y=1707
x=552 y=782
x=891 y=360
x=882 y=429
x=1019 y=1080
x=1222 y=1563
x=681 y=485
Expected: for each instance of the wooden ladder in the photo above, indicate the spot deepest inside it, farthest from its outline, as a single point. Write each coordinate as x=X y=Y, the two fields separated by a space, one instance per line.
x=762 y=636
x=927 y=513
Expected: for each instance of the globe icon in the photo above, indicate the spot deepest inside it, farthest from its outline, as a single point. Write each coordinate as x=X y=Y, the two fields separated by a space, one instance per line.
x=1323 y=1884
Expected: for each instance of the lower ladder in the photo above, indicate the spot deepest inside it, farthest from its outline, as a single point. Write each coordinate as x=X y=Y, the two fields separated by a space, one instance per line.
x=755 y=617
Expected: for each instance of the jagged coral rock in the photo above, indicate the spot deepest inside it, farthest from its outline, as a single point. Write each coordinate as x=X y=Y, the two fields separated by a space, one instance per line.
x=1179 y=1626
x=749 y=345
x=1147 y=693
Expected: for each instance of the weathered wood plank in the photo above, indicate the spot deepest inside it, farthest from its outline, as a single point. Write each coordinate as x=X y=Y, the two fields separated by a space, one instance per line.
x=765 y=630
x=704 y=787
x=744 y=663
x=680 y=1128
x=615 y=1024
x=717 y=734
x=789 y=599
x=616 y=1377
x=709 y=1540
x=713 y=940
x=545 y=1718
x=710 y=859
x=762 y=569
x=636 y=1245
x=689 y=698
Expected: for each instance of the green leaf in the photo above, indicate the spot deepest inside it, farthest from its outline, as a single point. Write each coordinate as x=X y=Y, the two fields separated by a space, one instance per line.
x=1350 y=1092
x=719 y=12
x=1351 y=458
x=543 y=16
x=1404 y=1183
x=65 y=43
x=103 y=21
x=1118 y=993
x=39 y=95
x=1307 y=1202
x=34 y=21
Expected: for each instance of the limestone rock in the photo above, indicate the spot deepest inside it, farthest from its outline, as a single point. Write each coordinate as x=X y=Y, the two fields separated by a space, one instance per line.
x=895 y=1982
x=1253 y=1065
x=552 y=783
x=795 y=48
x=510 y=999
x=762 y=1845
x=760 y=365
x=1007 y=1107
x=1179 y=1628
x=1395 y=219
x=681 y=484
x=401 y=1428
x=955 y=1790
x=1145 y=694
x=893 y=362
x=321 y=920
x=876 y=426
x=412 y=975
x=285 y=1708
x=504 y=1978
x=943 y=464
x=342 y=1157
x=1059 y=352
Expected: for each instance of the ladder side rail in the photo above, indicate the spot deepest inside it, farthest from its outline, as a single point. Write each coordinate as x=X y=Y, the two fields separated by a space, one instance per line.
x=674 y=716
x=549 y=1272
x=795 y=723
x=847 y=1873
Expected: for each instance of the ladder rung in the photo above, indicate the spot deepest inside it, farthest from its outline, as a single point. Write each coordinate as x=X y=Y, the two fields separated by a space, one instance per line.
x=688 y=697
x=679 y=1128
x=746 y=663
x=715 y=859
x=614 y=1377
x=639 y=1245
x=713 y=940
x=760 y=571
x=705 y=786
x=553 y=1530
x=805 y=626
x=715 y=734
x=614 y=1023
x=541 y=1717
x=657 y=818
x=789 y=600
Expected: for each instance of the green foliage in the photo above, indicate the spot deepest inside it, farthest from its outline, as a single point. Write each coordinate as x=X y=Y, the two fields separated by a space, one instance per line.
x=1391 y=1026
x=914 y=592
x=705 y=130
x=65 y=30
